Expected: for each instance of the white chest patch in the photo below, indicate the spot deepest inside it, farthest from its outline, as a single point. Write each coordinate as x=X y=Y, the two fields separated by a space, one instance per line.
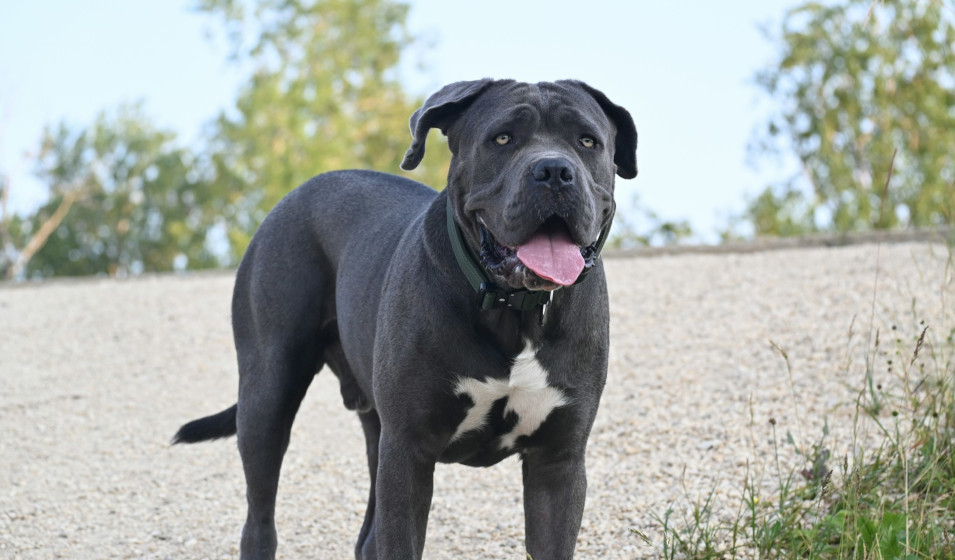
x=527 y=392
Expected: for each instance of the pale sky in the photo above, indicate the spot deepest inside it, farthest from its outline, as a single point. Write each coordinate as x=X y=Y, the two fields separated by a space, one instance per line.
x=685 y=71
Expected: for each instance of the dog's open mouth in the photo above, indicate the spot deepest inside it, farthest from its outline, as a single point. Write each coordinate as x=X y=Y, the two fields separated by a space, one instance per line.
x=546 y=261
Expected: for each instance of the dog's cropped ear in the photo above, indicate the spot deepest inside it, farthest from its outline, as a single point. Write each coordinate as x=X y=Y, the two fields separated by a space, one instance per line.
x=440 y=111
x=625 y=145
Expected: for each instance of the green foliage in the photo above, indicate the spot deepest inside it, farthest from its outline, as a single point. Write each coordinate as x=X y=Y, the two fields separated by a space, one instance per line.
x=784 y=213
x=324 y=95
x=856 y=82
x=139 y=204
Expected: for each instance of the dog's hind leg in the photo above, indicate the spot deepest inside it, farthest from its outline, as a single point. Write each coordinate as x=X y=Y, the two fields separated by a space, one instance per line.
x=277 y=320
x=268 y=402
x=365 y=549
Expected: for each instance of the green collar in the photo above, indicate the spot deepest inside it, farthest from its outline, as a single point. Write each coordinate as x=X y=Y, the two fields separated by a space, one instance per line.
x=491 y=296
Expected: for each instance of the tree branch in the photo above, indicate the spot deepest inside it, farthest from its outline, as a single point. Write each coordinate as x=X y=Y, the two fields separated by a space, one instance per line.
x=43 y=233
x=5 y=240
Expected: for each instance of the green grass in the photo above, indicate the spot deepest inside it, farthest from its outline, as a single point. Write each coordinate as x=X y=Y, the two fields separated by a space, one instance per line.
x=892 y=496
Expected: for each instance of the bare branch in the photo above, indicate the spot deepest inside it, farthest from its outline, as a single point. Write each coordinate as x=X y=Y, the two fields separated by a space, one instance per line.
x=42 y=234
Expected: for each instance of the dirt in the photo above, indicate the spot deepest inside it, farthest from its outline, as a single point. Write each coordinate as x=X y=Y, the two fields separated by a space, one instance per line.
x=96 y=376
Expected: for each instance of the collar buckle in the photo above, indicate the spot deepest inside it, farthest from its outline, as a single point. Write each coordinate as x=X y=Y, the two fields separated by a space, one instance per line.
x=492 y=297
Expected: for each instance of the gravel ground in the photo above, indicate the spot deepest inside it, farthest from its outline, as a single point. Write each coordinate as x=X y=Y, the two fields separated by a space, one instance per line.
x=95 y=376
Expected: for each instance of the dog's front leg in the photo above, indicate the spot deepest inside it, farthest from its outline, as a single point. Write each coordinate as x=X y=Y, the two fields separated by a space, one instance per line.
x=554 y=494
x=403 y=494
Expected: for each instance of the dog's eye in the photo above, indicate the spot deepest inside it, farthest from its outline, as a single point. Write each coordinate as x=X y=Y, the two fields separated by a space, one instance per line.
x=587 y=141
x=502 y=139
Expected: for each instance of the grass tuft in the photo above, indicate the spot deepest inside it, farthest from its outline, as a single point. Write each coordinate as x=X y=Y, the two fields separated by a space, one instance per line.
x=891 y=497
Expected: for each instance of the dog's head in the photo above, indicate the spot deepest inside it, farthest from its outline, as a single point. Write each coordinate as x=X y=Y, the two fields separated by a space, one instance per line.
x=532 y=172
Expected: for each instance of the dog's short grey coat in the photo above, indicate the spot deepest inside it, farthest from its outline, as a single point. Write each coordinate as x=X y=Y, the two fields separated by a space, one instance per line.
x=354 y=270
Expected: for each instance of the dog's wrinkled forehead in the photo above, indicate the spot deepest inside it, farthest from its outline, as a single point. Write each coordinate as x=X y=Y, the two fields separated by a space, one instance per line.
x=535 y=105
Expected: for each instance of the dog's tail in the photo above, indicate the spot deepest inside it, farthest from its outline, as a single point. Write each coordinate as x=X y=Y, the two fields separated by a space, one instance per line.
x=217 y=426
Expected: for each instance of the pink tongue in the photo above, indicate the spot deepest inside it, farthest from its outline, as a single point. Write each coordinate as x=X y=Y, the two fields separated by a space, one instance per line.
x=552 y=256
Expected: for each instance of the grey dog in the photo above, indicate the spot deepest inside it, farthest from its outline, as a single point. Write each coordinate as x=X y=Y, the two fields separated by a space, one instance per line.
x=464 y=326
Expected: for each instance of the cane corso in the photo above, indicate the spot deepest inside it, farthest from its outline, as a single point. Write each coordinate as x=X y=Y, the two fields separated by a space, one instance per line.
x=464 y=326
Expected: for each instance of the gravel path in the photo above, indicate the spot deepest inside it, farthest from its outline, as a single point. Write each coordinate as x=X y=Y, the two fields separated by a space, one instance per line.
x=95 y=376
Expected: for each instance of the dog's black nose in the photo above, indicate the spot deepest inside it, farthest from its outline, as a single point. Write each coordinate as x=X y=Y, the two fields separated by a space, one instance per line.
x=553 y=173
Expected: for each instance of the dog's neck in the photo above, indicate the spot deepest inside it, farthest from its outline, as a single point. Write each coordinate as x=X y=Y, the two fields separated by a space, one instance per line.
x=507 y=326
x=490 y=296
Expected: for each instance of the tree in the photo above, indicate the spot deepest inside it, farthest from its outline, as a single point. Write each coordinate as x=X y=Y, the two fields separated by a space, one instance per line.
x=134 y=201
x=324 y=95
x=857 y=82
